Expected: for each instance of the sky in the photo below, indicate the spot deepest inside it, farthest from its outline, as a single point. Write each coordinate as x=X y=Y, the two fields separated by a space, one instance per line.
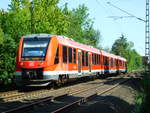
x=110 y=28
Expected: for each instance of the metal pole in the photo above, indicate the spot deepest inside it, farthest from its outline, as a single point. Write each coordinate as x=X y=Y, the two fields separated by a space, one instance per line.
x=147 y=38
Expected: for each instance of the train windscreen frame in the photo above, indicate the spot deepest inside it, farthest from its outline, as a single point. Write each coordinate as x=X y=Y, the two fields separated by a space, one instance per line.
x=34 y=48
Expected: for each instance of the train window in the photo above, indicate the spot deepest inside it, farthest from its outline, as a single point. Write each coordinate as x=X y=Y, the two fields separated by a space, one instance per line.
x=64 y=54
x=111 y=62
x=83 y=58
x=120 y=63
x=92 y=58
x=98 y=59
x=57 y=57
x=104 y=60
x=87 y=59
x=70 y=54
x=107 y=61
x=116 y=62
x=74 y=56
x=95 y=59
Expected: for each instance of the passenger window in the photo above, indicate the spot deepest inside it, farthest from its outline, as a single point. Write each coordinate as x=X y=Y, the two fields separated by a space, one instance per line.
x=57 y=57
x=74 y=54
x=92 y=58
x=99 y=59
x=70 y=54
x=111 y=62
x=95 y=59
x=83 y=58
x=64 y=54
x=105 y=60
x=87 y=59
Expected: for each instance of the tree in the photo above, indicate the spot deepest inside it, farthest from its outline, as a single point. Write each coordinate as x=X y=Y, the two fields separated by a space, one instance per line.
x=17 y=19
x=7 y=58
x=120 y=45
x=40 y=16
x=81 y=27
x=123 y=48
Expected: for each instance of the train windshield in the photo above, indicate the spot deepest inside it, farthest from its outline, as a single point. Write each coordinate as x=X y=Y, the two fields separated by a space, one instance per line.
x=35 y=48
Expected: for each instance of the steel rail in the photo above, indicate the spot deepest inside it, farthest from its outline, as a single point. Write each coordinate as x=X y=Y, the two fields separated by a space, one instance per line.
x=52 y=98
x=84 y=99
x=24 y=95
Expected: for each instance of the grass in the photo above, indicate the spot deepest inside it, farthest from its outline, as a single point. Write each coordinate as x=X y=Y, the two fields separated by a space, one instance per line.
x=143 y=97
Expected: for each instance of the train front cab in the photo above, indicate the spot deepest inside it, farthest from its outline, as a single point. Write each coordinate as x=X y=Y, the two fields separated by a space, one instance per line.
x=35 y=60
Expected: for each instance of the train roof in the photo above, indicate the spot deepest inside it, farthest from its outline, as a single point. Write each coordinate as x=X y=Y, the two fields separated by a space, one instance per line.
x=112 y=56
x=105 y=53
x=121 y=58
x=70 y=42
x=40 y=35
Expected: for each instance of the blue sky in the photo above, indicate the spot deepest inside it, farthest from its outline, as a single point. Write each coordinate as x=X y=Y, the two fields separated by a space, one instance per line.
x=111 y=29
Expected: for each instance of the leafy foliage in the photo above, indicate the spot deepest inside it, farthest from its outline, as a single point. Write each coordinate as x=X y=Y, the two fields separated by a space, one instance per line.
x=40 y=16
x=123 y=48
x=81 y=27
x=143 y=97
x=7 y=58
x=45 y=16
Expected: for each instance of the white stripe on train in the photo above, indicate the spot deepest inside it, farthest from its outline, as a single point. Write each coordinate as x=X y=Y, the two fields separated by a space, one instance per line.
x=72 y=74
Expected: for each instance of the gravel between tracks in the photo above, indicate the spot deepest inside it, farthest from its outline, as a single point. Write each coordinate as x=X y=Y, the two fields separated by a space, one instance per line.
x=121 y=100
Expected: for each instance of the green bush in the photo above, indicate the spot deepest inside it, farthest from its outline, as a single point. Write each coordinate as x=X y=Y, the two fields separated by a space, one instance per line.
x=143 y=98
x=7 y=59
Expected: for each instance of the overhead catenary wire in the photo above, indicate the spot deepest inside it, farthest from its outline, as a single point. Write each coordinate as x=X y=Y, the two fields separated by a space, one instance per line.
x=126 y=12
x=109 y=12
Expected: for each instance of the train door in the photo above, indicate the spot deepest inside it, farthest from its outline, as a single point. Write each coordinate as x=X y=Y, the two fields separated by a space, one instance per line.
x=79 y=62
x=90 y=62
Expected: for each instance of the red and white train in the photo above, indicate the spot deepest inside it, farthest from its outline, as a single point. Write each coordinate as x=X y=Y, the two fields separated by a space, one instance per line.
x=43 y=58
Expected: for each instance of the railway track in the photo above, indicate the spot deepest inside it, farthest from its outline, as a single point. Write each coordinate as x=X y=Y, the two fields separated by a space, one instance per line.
x=84 y=99
x=67 y=92
x=16 y=95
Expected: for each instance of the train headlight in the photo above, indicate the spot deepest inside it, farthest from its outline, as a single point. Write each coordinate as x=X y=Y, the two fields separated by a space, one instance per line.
x=42 y=63
x=21 y=63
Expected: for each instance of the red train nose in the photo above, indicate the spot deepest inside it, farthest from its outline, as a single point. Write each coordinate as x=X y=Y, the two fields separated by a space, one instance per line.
x=32 y=64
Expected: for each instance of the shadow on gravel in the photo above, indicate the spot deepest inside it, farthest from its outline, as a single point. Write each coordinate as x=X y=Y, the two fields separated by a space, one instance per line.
x=47 y=107
x=133 y=83
x=98 y=104
x=107 y=104
x=4 y=88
